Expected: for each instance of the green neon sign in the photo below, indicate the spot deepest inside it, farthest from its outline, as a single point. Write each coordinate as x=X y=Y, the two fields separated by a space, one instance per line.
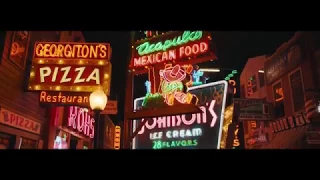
x=231 y=75
x=174 y=144
x=187 y=36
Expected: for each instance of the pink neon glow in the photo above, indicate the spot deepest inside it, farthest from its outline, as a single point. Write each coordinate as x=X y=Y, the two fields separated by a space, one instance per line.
x=172 y=75
x=175 y=74
x=81 y=120
x=178 y=120
x=60 y=143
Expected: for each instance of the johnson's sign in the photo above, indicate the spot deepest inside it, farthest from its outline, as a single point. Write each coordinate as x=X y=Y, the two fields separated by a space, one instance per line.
x=80 y=120
x=186 y=131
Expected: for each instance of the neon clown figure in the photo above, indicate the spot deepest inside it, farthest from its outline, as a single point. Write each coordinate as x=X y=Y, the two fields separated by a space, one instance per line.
x=196 y=77
x=172 y=87
x=148 y=86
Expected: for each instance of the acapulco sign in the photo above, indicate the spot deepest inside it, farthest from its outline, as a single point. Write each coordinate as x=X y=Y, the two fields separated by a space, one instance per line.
x=175 y=46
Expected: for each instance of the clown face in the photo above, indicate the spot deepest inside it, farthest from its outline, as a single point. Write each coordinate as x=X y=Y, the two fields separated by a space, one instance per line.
x=171 y=87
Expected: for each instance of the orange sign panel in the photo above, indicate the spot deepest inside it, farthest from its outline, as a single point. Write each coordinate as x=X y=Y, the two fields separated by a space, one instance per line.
x=73 y=67
x=117 y=137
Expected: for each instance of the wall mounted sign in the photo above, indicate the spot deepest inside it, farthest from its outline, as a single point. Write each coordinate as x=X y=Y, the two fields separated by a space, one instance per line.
x=186 y=131
x=64 y=98
x=80 y=120
x=111 y=107
x=280 y=64
x=245 y=102
x=75 y=67
x=117 y=136
x=257 y=140
x=19 y=48
x=14 y=120
x=253 y=109
x=291 y=122
x=81 y=99
x=109 y=134
x=174 y=47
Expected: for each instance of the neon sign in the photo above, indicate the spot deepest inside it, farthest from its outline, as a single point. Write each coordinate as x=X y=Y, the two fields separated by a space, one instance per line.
x=187 y=36
x=196 y=77
x=117 y=135
x=172 y=47
x=179 y=120
x=70 y=67
x=233 y=83
x=279 y=92
x=186 y=130
x=80 y=120
x=172 y=87
x=236 y=141
x=72 y=50
x=231 y=75
x=148 y=86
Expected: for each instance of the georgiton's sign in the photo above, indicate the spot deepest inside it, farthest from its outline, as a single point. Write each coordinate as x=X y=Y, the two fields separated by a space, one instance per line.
x=186 y=131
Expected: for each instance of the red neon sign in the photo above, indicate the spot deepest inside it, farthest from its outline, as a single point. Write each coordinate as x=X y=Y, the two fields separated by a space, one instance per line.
x=80 y=120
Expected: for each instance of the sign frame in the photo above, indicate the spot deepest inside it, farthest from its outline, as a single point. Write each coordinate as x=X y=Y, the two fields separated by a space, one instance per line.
x=101 y=64
x=221 y=118
x=21 y=121
x=168 y=37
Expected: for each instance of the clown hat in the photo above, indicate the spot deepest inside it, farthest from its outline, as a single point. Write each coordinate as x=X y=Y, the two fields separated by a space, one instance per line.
x=173 y=74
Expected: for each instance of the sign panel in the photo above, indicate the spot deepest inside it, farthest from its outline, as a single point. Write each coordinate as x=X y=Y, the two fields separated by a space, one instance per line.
x=19 y=48
x=111 y=108
x=291 y=122
x=80 y=120
x=253 y=109
x=279 y=64
x=14 y=120
x=109 y=134
x=80 y=99
x=177 y=46
x=243 y=102
x=186 y=131
x=117 y=136
x=257 y=140
x=75 y=67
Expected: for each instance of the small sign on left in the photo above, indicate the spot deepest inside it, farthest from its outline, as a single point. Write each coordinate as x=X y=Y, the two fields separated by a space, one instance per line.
x=14 y=120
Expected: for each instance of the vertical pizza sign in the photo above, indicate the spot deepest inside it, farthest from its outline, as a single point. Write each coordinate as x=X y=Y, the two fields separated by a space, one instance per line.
x=19 y=48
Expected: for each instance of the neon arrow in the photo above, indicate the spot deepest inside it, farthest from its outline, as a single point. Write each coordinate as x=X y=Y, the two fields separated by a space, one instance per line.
x=214 y=115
